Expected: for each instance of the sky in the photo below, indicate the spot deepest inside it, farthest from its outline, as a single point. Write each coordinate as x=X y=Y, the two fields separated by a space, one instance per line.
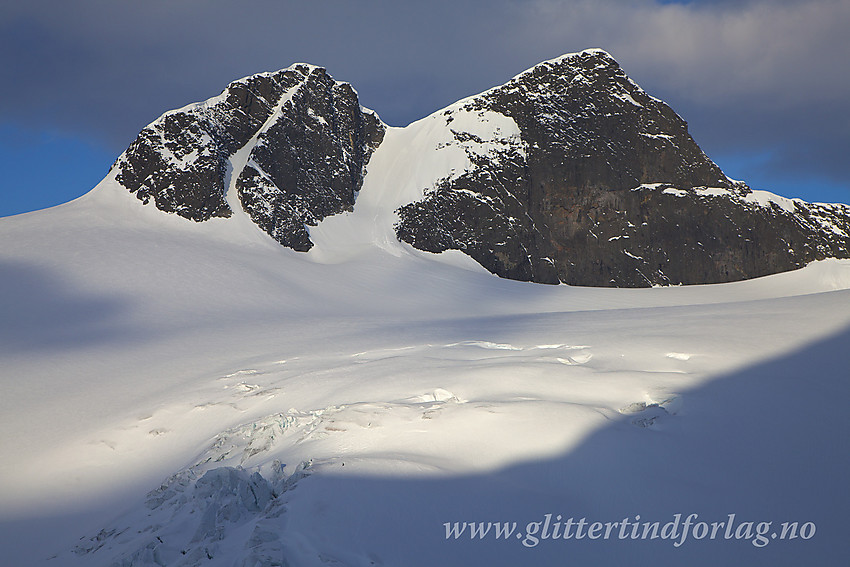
x=763 y=84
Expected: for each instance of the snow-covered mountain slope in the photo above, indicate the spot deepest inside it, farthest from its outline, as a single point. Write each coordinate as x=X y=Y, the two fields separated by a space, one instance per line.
x=176 y=393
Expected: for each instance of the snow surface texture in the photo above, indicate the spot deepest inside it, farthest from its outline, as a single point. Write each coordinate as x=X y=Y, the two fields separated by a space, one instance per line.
x=178 y=393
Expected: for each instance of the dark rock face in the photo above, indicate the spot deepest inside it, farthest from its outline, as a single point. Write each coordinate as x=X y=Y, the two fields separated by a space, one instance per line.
x=576 y=207
x=485 y=213
x=305 y=136
x=309 y=163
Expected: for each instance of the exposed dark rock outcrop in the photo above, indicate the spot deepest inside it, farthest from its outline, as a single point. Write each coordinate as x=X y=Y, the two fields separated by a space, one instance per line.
x=578 y=207
x=309 y=163
x=306 y=142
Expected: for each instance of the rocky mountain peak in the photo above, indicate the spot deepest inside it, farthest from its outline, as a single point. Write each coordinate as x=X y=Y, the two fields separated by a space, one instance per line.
x=288 y=147
x=568 y=173
x=609 y=189
x=584 y=108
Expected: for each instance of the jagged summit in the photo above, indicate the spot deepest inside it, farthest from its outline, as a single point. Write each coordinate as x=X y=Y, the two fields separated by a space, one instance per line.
x=568 y=173
x=287 y=147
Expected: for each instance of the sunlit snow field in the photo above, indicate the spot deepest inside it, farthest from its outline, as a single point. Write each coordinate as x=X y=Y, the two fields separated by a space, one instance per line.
x=381 y=393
